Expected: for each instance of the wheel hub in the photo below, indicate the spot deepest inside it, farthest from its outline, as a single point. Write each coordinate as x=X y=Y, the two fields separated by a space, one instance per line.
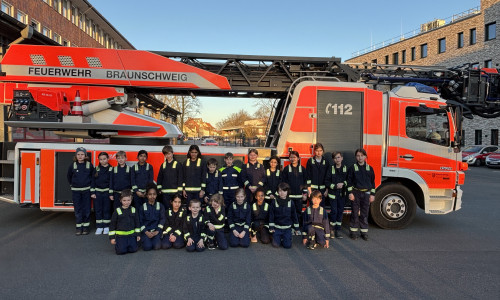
x=393 y=207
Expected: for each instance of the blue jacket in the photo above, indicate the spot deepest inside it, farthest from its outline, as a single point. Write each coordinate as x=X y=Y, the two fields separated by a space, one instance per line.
x=214 y=183
x=239 y=215
x=143 y=175
x=283 y=215
x=102 y=178
x=121 y=179
x=152 y=217
x=230 y=177
x=80 y=176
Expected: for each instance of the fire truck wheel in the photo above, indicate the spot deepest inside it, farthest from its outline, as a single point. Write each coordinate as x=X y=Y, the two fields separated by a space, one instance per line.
x=394 y=206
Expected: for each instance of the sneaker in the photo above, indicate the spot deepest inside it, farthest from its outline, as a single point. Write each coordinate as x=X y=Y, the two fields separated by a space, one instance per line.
x=211 y=245
x=78 y=231
x=85 y=231
x=297 y=232
x=106 y=230
x=99 y=231
x=253 y=239
x=353 y=235
x=364 y=236
x=312 y=246
x=338 y=235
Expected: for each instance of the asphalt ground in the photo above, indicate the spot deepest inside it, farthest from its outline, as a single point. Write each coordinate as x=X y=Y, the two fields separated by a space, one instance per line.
x=453 y=256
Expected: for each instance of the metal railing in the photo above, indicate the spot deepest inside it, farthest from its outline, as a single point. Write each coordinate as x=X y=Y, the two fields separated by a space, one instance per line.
x=449 y=20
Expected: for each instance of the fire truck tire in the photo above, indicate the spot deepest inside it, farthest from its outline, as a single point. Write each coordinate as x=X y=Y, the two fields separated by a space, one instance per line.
x=394 y=206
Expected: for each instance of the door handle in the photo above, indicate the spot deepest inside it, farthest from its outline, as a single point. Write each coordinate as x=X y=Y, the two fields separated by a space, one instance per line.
x=407 y=156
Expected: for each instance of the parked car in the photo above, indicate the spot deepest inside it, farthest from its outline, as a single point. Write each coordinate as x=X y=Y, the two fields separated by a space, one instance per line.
x=476 y=155
x=493 y=160
x=209 y=142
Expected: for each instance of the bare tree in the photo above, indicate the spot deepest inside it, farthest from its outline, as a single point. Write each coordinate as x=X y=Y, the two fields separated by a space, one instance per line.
x=188 y=106
x=265 y=108
x=234 y=119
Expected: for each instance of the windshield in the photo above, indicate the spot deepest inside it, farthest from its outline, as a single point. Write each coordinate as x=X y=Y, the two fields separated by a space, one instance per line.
x=472 y=149
x=428 y=125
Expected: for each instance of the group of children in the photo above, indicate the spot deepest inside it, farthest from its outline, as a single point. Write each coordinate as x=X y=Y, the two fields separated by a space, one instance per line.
x=249 y=203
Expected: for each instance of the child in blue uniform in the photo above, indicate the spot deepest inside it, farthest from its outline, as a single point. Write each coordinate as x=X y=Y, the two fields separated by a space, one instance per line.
x=295 y=175
x=282 y=216
x=102 y=204
x=361 y=189
x=169 y=177
x=194 y=174
x=195 y=227
x=316 y=228
x=121 y=178
x=336 y=181
x=231 y=180
x=216 y=217
x=239 y=218
x=143 y=174
x=173 y=235
x=252 y=173
x=124 y=229
x=272 y=178
x=317 y=167
x=80 y=178
x=152 y=218
x=213 y=181
x=260 y=219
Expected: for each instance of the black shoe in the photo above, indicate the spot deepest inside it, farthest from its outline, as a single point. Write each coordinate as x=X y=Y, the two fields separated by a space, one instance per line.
x=85 y=231
x=78 y=232
x=211 y=246
x=364 y=236
x=338 y=235
x=312 y=246
x=353 y=235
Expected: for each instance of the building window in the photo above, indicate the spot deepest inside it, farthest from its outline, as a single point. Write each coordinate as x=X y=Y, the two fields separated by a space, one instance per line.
x=472 y=38
x=490 y=31
x=65 y=43
x=56 y=38
x=475 y=66
x=460 y=40
x=35 y=24
x=387 y=59
x=46 y=31
x=494 y=136
x=403 y=57
x=442 y=45
x=73 y=15
x=80 y=21
x=57 y=5
x=488 y=63
x=478 y=137
x=65 y=11
x=87 y=26
x=7 y=8
x=395 y=58
x=413 y=53
x=22 y=17
x=423 y=51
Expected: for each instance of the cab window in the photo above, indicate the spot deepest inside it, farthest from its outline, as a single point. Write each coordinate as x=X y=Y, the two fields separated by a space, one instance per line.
x=428 y=125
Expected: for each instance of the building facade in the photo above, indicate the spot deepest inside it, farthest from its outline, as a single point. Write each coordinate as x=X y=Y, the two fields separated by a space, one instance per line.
x=468 y=37
x=74 y=23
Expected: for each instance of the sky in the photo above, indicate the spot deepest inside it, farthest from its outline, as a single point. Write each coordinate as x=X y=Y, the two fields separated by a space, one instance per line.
x=322 y=28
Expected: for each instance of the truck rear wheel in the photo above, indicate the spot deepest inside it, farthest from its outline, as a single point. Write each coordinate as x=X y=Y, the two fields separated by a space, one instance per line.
x=394 y=206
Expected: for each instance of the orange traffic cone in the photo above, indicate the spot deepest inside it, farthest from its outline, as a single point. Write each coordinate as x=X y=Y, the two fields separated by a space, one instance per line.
x=77 y=105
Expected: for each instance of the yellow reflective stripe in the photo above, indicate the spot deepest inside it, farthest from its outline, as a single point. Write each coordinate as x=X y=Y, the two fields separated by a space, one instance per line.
x=282 y=227
x=174 y=165
x=331 y=196
x=143 y=227
x=240 y=224
x=137 y=230
x=295 y=196
x=319 y=227
x=178 y=232
x=112 y=233
x=170 y=191
x=203 y=185
x=119 y=211
x=221 y=217
x=271 y=224
x=193 y=189
x=160 y=226
x=198 y=162
x=231 y=225
x=167 y=230
x=80 y=189
x=124 y=232
x=102 y=190
x=219 y=226
x=308 y=182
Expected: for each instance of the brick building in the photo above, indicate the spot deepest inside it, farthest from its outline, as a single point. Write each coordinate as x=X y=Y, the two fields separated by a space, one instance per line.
x=467 y=37
x=73 y=23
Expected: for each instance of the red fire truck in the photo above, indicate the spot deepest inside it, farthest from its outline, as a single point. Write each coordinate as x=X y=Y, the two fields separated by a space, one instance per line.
x=412 y=134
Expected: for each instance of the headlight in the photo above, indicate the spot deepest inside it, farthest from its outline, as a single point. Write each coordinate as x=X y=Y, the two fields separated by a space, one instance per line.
x=468 y=157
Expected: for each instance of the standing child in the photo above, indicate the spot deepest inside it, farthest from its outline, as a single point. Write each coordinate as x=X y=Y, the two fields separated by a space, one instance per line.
x=272 y=178
x=260 y=219
x=152 y=218
x=239 y=218
x=169 y=177
x=252 y=173
x=231 y=181
x=102 y=204
x=295 y=175
x=143 y=175
x=282 y=216
x=216 y=220
x=82 y=184
x=317 y=167
x=121 y=178
x=213 y=181
x=336 y=181
x=194 y=172
x=316 y=229
x=124 y=227
x=194 y=227
x=172 y=236
x=361 y=189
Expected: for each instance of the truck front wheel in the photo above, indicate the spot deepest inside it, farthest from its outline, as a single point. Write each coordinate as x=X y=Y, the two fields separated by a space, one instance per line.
x=394 y=206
